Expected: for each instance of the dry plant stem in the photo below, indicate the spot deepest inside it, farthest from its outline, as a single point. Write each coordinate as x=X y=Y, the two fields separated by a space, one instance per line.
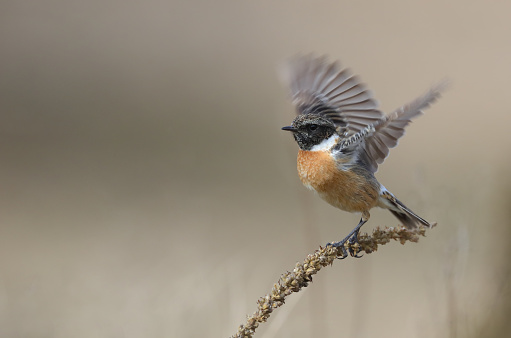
x=301 y=275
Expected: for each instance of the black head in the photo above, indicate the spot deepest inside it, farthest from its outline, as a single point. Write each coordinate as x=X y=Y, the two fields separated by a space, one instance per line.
x=310 y=130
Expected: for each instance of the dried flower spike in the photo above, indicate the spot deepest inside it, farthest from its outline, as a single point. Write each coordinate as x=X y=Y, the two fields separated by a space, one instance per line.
x=301 y=275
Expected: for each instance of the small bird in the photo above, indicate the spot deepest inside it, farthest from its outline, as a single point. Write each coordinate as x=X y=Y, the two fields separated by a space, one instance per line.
x=343 y=137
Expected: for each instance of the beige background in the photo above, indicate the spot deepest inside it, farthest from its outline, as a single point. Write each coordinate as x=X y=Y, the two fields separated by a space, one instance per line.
x=146 y=189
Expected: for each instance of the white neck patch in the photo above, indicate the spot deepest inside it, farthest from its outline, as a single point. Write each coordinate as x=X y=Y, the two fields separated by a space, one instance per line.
x=327 y=144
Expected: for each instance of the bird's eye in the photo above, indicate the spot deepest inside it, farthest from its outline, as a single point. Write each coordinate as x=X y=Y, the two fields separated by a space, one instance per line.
x=313 y=127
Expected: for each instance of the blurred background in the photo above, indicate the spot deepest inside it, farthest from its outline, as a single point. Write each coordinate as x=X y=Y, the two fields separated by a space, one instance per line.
x=146 y=189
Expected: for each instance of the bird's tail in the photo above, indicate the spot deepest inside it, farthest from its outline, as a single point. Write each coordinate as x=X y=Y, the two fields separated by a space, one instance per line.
x=409 y=219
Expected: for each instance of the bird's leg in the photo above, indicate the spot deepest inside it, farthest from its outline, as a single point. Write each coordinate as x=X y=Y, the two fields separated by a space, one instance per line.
x=352 y=237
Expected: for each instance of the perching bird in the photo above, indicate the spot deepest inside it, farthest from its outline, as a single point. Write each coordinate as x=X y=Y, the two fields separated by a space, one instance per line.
x=343 y=137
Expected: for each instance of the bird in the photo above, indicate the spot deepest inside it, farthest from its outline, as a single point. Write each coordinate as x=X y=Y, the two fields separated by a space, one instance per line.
x=343 y=137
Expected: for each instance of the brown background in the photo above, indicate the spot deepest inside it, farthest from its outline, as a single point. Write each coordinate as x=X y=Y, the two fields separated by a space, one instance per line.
x=148 y=191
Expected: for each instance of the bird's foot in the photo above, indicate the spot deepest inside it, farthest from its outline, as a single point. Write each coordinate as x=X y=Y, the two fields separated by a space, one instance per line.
x=353 y=247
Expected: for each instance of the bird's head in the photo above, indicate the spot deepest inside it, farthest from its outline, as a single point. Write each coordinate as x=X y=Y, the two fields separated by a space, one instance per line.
x=310 y=130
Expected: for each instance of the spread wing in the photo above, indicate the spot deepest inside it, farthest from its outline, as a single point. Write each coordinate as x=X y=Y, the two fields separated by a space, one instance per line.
x=323 y=88
x=388 y=131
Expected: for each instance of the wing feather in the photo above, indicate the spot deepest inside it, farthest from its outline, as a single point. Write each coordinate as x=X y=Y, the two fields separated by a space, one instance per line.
x=390 y=128
x=323 y=88
x=326 y=89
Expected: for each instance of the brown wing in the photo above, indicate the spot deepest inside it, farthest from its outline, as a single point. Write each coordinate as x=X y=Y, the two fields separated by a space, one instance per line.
x=392 y=127
x=323 y=88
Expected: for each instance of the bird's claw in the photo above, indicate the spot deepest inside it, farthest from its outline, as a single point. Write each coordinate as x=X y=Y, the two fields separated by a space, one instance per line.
x=355 y=254
x=352 y=240
x=344 y=253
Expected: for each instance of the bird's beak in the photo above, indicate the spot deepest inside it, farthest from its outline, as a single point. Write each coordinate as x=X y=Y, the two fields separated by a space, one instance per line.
x=289 y=128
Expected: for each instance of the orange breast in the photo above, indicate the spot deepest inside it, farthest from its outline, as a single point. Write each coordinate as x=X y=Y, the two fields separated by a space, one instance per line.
x=344 y=189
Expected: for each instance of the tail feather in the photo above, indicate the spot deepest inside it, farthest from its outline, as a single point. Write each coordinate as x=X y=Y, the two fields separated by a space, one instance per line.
x=410 y=220
x=406 y=216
